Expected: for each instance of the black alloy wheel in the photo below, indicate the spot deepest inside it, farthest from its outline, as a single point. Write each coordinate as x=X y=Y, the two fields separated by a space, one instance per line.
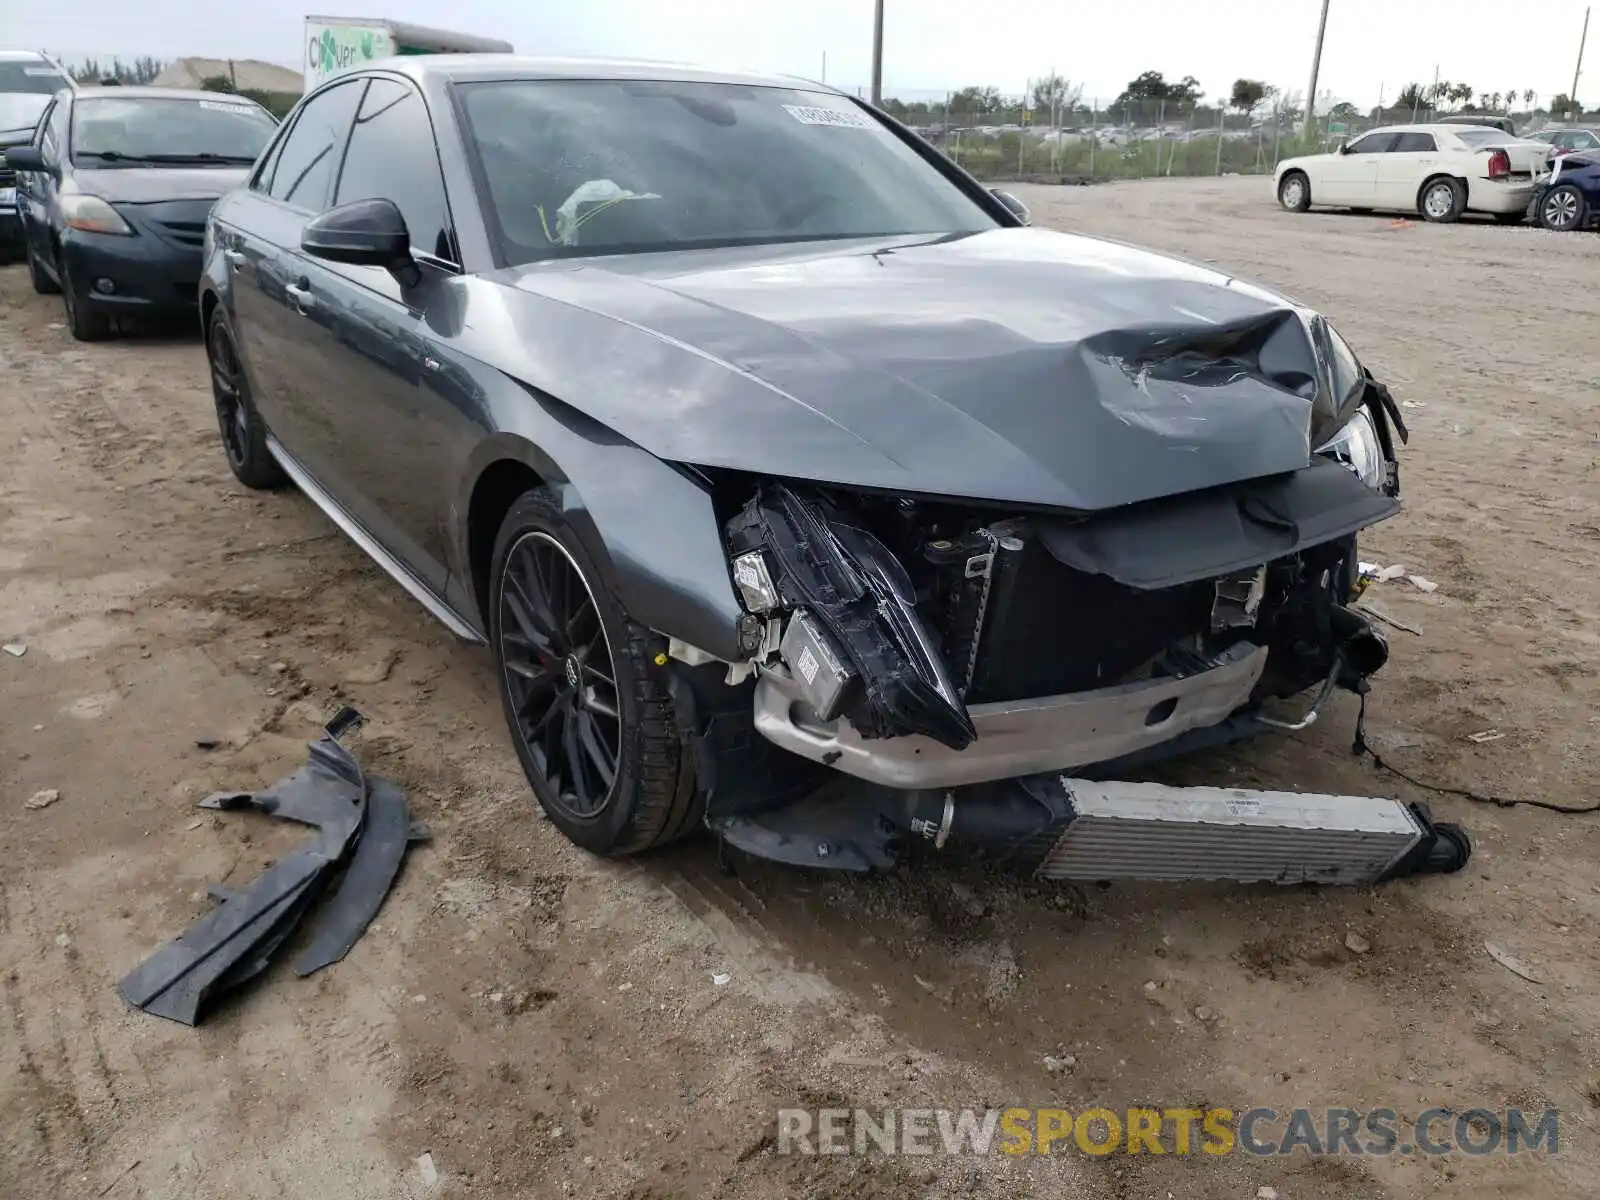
x=244 y=437
x=586 y=690
x=561 y=676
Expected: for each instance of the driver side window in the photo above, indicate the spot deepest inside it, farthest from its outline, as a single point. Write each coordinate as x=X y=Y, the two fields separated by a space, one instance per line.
x=52 y=132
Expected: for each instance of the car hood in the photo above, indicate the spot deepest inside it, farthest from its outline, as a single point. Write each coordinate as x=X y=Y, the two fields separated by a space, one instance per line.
x=149 y=185
x=1017 y=365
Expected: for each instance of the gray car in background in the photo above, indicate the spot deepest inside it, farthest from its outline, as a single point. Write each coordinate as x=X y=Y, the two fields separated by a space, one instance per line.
x=28 y=78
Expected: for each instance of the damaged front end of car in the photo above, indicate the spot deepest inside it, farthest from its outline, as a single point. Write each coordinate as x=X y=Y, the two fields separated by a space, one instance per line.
x=961 y=672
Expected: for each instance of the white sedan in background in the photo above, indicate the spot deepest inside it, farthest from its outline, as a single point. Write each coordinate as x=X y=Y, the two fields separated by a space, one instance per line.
x=1440 y=171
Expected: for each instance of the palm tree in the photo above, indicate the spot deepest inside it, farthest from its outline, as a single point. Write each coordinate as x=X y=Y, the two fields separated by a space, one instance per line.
x=1528 y=97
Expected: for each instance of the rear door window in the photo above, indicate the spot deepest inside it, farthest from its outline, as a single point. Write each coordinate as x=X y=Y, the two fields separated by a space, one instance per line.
x=304 y=173
x=1414 y=143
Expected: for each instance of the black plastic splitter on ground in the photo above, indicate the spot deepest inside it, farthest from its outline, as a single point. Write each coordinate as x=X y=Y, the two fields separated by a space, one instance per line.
x=360 y=821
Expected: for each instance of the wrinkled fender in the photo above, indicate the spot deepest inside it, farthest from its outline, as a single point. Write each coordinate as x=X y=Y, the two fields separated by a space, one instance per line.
x=650 y=527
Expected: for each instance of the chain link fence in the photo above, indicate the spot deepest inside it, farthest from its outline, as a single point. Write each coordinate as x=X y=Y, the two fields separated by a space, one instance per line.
x=1087 y=141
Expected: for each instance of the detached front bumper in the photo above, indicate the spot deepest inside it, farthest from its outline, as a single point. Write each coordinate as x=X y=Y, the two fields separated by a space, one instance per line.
x=1018 y=737
x=119 y=274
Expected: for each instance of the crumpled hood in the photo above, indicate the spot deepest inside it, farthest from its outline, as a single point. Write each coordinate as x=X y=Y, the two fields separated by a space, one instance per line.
x=1019 y=365
x=149 y=185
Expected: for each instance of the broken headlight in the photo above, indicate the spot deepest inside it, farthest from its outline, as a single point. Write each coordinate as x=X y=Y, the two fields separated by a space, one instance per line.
x=754 y=581
x=1358 y=448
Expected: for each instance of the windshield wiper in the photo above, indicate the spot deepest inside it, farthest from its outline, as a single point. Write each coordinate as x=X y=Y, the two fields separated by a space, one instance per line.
x=110 y=156
x=206 y=157
x=119 y=156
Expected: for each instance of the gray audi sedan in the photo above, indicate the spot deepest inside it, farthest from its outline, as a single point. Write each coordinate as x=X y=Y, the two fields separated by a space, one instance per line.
x=799 y=488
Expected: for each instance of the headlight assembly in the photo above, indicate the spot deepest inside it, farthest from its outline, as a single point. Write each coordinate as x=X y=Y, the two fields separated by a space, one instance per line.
x=1357 y=447
x=93 y=215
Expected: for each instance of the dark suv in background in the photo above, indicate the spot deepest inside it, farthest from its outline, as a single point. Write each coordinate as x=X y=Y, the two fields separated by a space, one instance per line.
x=114 y=192
x=27 y=81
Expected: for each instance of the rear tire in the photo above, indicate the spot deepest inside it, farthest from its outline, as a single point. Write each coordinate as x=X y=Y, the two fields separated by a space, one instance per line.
x=42 y=283
x=1563 y=209
x=244 y=433
x=1442 y=200
x=588 y=712
x=1294 y=191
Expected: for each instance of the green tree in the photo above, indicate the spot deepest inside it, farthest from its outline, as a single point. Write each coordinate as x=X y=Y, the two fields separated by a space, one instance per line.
x=1056 y=94
x=1561 y=105
x=1411 y=96
x=975 y=101
x=1247 y=94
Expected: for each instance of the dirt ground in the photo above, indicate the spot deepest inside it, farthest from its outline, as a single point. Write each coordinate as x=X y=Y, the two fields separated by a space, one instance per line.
x=545 y=1024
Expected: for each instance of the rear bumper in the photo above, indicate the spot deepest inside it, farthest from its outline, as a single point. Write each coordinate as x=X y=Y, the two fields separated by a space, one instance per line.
x=132 y=274
x=1496 y=196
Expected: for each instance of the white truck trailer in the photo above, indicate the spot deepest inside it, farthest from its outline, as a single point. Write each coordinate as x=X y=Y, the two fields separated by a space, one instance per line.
x=337 y=44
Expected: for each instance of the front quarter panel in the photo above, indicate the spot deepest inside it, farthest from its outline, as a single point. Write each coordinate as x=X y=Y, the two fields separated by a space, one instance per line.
x=216 y=280
x=650 y=526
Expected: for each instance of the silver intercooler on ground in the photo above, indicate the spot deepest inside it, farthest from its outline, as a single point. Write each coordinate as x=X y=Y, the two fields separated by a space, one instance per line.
x=1149 y=831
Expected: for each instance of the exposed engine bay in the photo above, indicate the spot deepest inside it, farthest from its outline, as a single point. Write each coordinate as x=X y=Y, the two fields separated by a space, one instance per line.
x=954 y=658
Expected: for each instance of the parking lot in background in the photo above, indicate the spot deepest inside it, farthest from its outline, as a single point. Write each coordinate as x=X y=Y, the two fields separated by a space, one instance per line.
x=524 y=1013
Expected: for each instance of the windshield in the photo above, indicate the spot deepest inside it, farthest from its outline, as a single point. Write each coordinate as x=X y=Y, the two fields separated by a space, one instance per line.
x=39 y=78
x=21 y=111
x=157 y=129
x=609 y=166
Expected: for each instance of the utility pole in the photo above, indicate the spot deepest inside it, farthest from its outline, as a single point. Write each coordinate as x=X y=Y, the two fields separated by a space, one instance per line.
x=824 y=67
x=1316 y=66
x=877 y=53
x=1577 y=110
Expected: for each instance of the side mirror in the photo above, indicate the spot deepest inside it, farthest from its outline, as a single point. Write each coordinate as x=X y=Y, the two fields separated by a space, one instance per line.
x=1344 y=146
x=1017 y=207
x=364 y=233
x=25 y=158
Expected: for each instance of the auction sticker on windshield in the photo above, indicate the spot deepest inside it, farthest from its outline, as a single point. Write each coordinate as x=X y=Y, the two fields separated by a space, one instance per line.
x=829 y=116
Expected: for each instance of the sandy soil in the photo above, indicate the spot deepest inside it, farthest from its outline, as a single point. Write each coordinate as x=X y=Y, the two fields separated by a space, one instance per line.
x=544 y=1024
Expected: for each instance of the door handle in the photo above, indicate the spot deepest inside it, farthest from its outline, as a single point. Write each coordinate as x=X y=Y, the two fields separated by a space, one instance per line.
x=299 y=295
x=235 y=258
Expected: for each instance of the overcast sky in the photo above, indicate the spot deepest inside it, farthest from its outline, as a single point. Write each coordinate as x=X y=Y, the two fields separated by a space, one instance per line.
x=930 y=45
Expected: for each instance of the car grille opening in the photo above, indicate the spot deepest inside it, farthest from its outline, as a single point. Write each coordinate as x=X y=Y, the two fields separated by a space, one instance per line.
x=187 y=233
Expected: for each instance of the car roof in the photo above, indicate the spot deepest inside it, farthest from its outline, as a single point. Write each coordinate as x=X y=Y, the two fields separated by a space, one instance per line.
x=461 y=68
x=141 y=92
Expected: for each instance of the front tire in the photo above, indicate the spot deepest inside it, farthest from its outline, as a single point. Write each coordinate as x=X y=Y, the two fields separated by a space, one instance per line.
x=84 y=324
x=43 y=285
x=1442 y=200
x=590 y=718
x=1294 y=191
x=1562 y=209
x=244 y=434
